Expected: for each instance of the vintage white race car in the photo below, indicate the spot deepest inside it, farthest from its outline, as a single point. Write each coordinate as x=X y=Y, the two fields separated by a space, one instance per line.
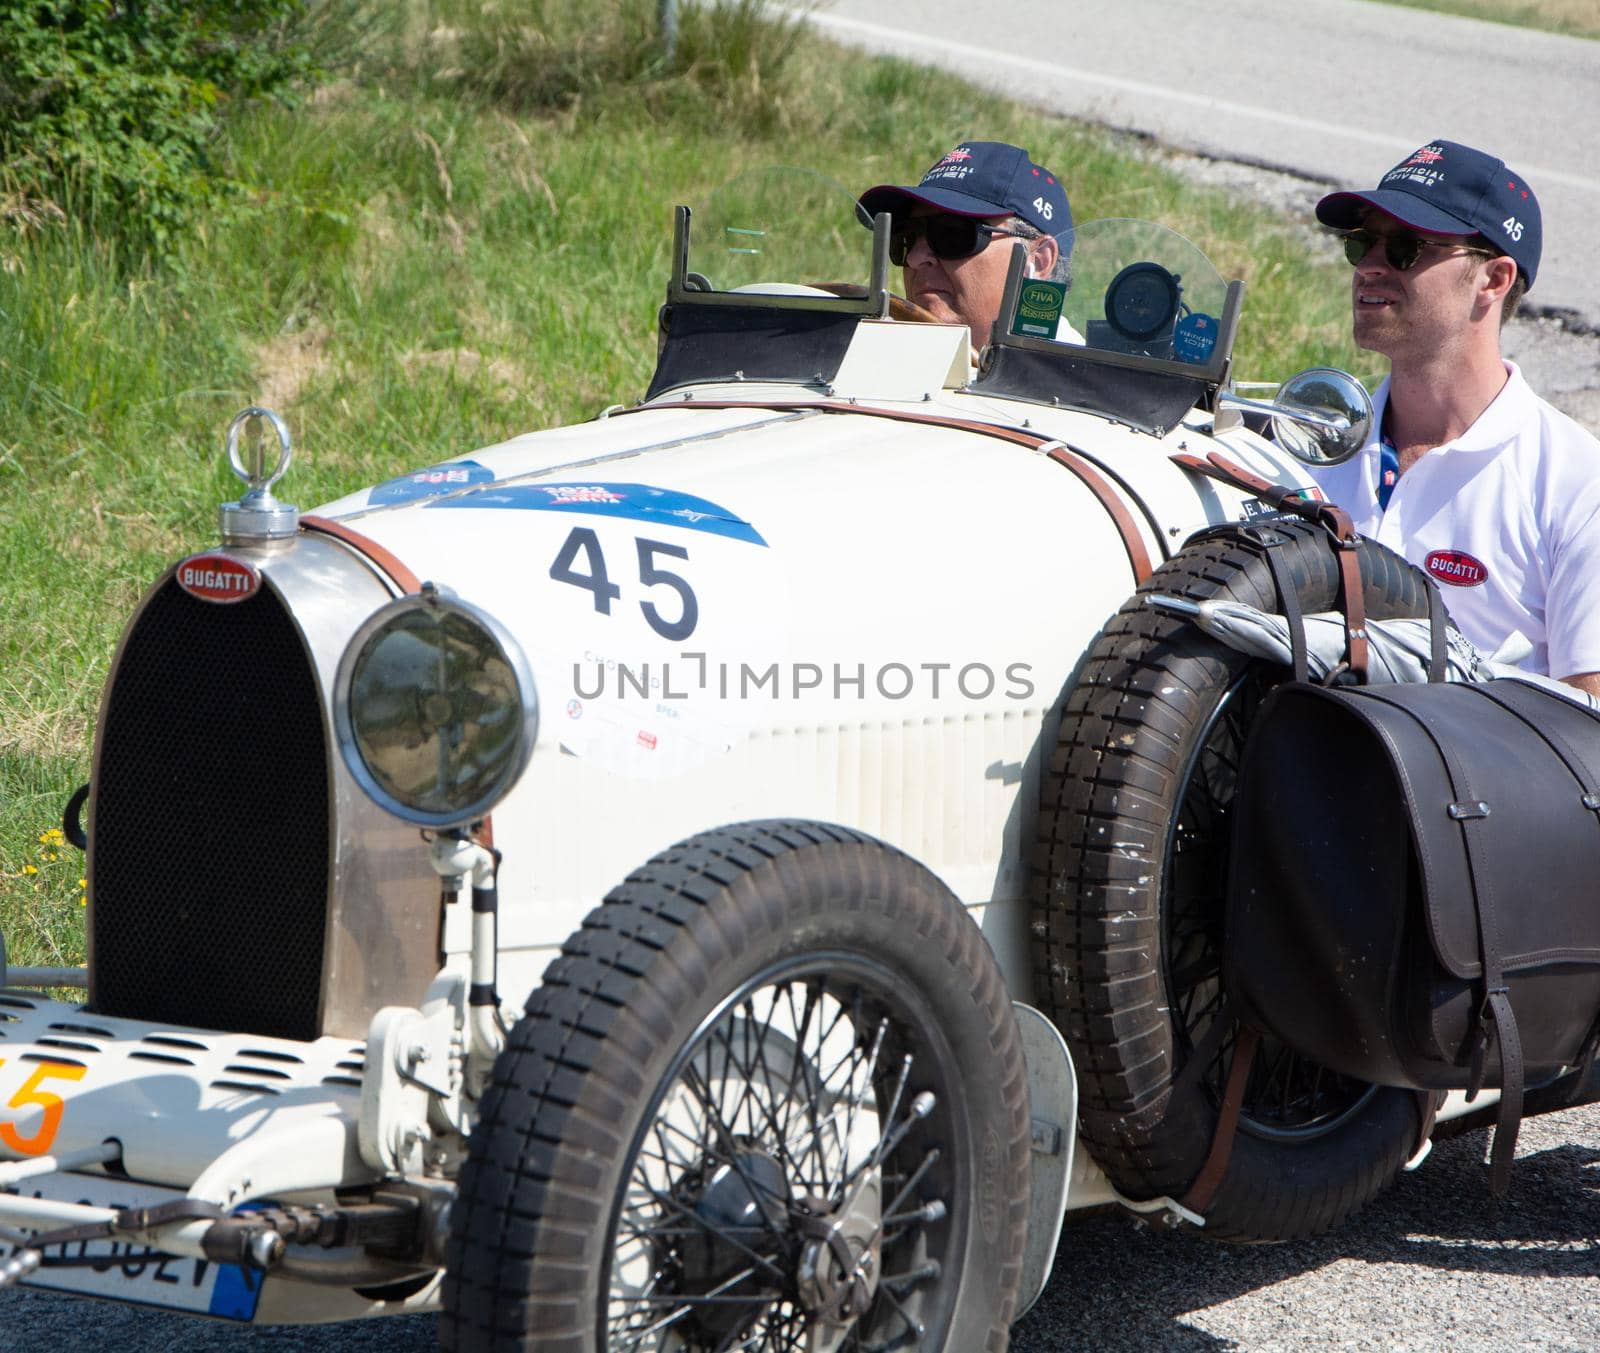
x=785 y=743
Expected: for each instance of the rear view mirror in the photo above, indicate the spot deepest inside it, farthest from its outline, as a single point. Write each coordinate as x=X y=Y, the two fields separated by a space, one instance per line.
x=1321 y=416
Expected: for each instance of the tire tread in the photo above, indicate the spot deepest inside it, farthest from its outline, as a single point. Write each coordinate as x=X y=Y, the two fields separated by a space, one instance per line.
x=532 y=1200
x=1110 y=788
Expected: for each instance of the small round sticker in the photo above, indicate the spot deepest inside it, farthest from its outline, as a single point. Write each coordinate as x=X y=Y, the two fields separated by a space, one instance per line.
x=1193 y=338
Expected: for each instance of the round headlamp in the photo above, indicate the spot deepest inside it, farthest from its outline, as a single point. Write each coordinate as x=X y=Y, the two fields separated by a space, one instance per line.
x=435 y=709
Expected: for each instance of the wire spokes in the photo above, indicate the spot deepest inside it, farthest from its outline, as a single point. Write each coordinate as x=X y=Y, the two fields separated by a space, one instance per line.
x=1285 y=1095
x=768 y=1205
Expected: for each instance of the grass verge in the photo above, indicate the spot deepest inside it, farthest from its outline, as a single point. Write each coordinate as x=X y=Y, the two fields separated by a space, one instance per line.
x=1575 y=18
x=446 y=252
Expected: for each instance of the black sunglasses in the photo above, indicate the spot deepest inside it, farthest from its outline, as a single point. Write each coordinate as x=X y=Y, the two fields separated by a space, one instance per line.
x=1401 y=251
x=950 y=237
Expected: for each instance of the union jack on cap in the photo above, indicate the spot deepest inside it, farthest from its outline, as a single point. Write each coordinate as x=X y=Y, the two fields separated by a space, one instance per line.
x=1446 y=188
x=982 y=178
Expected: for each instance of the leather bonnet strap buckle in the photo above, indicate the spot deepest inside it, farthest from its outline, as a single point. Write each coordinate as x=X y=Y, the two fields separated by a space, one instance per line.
x=1331 y=518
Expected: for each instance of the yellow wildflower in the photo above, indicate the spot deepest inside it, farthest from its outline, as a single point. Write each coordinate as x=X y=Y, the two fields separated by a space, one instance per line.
x=30 y=869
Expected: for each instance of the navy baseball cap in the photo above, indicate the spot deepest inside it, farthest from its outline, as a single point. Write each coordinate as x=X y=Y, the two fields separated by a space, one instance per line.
x=982 y=178
x=1450 y=189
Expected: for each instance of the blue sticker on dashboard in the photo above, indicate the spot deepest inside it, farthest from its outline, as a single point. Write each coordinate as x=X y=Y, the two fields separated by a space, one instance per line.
x=430 y=483
x=640 y=502
x=1193 y=338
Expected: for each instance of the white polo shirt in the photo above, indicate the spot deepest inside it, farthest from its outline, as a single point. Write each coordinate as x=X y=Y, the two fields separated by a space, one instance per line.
x=1506 y=519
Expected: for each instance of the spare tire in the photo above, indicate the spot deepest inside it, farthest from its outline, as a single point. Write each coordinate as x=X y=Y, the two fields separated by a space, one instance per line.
x=1128 y=883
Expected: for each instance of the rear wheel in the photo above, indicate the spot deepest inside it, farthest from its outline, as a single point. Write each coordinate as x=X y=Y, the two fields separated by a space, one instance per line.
x=771 y=1096
x=1129 y=887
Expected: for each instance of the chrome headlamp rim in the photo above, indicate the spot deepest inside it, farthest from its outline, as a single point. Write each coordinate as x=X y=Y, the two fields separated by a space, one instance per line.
x=441 y=600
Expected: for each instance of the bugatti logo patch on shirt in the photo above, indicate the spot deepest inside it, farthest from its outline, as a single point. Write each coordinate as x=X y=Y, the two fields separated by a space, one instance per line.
x=1456 y=567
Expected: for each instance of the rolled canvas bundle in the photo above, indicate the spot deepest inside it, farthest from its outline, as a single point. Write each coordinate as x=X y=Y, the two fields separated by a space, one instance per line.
x=1414 y=893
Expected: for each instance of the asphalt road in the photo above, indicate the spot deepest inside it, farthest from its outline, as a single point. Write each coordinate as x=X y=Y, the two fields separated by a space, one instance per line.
x=1335 y=90
x=1435 y=1264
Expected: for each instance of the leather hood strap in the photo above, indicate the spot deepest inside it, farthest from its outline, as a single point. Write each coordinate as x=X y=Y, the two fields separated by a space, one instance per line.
x=1332 y=518
x=1088 y=473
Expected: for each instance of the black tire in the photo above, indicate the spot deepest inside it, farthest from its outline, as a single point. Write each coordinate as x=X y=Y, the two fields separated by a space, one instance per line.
x=1129 y=879
x=643 y=1147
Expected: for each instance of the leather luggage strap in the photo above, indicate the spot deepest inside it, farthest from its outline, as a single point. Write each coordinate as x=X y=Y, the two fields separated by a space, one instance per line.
x=1093 y=479
x=1333 y=519
x=1289 y=600
x=368 y=549
x=1205 y=1051
x=1206 y=1183
x=1203 y=1189
x=1496 y=1007
x=1428 y=1104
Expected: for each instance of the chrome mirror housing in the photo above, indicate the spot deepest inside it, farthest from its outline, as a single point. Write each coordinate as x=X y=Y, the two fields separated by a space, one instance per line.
x=1321 y=416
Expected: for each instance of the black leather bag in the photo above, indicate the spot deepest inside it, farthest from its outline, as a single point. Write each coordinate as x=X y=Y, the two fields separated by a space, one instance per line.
x=1414 y=892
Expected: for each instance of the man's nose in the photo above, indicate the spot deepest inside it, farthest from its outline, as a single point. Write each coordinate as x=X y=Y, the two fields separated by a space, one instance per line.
x=1375 y=260
x=920 y=255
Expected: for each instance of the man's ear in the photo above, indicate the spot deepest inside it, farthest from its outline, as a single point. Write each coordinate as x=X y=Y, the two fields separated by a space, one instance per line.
x=1042 y=258
x=1495 y=279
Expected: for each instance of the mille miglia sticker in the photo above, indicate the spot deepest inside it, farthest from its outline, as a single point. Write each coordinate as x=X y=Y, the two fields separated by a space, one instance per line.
x=218 y=577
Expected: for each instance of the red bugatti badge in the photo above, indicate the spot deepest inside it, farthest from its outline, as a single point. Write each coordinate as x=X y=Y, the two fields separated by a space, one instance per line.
x=1455 y=567
x=218 y=577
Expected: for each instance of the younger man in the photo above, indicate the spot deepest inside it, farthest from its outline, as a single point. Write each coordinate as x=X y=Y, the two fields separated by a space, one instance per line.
x=1468 y=473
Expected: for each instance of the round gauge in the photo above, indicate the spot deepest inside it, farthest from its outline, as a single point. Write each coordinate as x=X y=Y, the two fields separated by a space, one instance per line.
x=1142 y=301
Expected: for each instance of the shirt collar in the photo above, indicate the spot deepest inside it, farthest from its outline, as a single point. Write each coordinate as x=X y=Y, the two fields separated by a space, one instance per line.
x=1506 y=416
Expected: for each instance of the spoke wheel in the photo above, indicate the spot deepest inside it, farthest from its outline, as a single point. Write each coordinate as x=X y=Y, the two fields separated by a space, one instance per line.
x=1286 y=1096
x=770 y=1097
x=772 y=1202
x=1129 y=885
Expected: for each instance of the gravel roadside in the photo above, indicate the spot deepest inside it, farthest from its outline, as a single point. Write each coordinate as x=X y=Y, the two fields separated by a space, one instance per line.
x=1436 y=1263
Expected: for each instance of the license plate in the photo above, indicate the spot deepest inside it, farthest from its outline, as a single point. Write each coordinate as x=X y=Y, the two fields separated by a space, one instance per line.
x=125 y=1271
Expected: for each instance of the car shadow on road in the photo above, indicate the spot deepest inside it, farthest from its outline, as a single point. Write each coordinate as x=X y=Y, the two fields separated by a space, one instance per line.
x=1119 y=1285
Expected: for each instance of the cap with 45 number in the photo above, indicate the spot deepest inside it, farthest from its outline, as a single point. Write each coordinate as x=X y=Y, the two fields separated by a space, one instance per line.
x=982 y=178
x=1450 y=189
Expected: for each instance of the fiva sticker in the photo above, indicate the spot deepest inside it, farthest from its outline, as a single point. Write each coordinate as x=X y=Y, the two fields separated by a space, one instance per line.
x=1039 y=309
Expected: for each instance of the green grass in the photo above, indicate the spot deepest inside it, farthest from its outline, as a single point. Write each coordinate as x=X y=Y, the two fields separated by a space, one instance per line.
x=451 y=251
x=1576 y=18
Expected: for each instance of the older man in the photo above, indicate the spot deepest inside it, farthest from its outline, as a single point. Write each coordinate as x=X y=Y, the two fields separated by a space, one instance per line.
x=953 y=232
x=1467 y=472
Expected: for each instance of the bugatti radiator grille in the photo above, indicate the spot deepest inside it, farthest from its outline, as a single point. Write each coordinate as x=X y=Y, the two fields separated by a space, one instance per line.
x=210 y=823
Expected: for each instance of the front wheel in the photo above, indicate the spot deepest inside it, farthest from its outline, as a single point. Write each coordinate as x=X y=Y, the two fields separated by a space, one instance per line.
x=771 y=1096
